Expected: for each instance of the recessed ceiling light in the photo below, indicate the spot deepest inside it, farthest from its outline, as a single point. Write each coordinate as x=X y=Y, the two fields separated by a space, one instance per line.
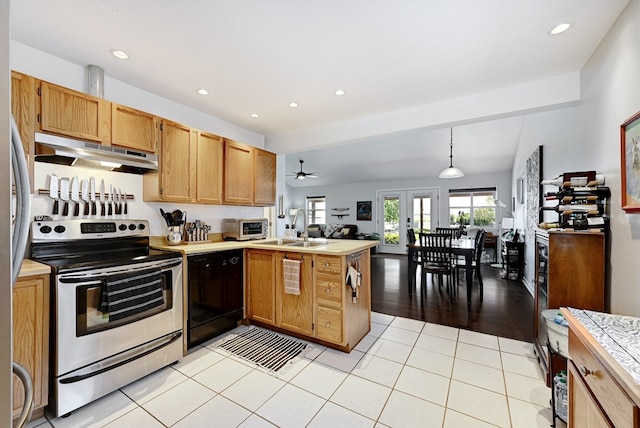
x=119 y=54
x=203 y=91
x=293 y=105
x=338 y=92
x=254 y=115
x=559 y=29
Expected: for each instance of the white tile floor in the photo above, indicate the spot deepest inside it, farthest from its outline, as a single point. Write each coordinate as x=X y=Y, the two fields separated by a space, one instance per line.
x=405 y=373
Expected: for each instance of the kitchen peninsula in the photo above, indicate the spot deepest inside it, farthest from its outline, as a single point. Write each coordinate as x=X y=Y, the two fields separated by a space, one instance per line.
x=332 y=309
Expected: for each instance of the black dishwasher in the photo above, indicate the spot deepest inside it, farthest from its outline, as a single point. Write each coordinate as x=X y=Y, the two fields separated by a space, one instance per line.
x=215 y=294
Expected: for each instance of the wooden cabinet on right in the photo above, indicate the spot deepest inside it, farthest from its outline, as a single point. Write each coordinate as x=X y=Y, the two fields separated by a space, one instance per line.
x=602 y=392
x=570 y=271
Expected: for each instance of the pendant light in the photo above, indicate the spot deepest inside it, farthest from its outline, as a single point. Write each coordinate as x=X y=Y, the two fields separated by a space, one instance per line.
x=451 y=171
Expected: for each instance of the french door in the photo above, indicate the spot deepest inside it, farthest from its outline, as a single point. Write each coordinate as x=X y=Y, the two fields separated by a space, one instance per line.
x=399 y=210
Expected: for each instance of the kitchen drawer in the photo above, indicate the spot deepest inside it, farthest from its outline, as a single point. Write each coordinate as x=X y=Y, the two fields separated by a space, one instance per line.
x=614 y=401
x=329 y=324
x=329 y=264
x=329 y=290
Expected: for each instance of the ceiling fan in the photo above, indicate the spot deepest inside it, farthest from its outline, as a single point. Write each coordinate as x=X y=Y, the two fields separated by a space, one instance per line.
x=301 y=175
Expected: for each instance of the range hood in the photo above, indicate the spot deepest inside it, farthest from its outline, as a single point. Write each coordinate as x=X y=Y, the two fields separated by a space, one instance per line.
x=67 y=151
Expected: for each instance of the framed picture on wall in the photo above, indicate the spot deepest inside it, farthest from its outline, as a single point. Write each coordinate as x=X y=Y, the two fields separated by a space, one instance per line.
x=630 y=163
x=363 y=210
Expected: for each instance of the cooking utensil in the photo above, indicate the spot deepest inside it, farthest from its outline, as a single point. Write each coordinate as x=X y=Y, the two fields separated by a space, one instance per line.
x=102 y=199
x=64 y=194
x=110 y=202
x=84 y=189
x=92 y=195
x=116 y=202
x=53 y=192
x=167 y=217
x=125 y=204
x=120 y=200
x=177 y=217
x=75 y=195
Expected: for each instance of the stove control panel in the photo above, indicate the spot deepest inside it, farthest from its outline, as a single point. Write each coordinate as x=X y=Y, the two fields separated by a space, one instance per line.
x=67 y=230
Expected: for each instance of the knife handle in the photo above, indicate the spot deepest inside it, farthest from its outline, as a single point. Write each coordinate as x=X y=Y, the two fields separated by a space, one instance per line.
x=55 y=206
x=94 y=209
x=65 y=208
x=86 y=208
x=76 y=209
x=102 y=207
x=125 y=208
x=110 y=208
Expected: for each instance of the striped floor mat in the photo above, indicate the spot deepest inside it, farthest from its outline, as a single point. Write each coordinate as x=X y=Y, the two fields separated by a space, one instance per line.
x=264 y=348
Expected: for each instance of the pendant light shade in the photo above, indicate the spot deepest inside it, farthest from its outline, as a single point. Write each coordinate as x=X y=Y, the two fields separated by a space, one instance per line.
x=451 y=171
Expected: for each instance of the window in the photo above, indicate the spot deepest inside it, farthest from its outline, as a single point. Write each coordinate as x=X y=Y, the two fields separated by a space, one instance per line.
x=316 y=210
x=473 y=207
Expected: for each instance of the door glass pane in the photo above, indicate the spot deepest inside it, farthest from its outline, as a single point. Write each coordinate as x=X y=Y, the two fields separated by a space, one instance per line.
x=421 y=220
x=391 y=220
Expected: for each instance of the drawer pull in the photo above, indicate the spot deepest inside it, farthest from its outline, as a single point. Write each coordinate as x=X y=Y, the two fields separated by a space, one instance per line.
x=328 y=325
x=586 y=372
x=327 y=264
x=328 y=290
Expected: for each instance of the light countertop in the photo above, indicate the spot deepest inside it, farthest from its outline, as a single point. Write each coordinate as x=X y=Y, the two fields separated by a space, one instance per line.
x=31 y=267
x=335 y=247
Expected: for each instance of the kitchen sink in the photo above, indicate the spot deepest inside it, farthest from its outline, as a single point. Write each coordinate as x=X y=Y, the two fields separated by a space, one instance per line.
x=278 y=242
x=306 y=244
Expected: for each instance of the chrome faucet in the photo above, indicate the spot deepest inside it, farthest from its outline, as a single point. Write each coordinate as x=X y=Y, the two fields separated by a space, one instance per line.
x=305 y=234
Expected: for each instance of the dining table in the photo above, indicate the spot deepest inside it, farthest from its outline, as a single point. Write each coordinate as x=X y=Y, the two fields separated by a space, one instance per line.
x=460 y=247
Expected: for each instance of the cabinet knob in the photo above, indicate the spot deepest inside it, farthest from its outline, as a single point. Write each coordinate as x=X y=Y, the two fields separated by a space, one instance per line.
x=327 y=264
x=328 y=290
x=586 y=372
x=328 y=325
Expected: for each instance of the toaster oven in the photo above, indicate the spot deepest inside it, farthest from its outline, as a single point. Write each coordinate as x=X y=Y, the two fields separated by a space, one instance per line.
x=244 y=229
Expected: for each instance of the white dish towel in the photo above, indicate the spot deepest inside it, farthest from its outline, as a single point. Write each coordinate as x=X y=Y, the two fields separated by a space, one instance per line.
x=291 y=276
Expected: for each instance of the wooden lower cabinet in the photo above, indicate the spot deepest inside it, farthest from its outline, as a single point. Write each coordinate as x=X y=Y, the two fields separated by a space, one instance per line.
x=584 y=411
x=31 y=340
x=260 y=286
x=601 y=392
x=324 y=310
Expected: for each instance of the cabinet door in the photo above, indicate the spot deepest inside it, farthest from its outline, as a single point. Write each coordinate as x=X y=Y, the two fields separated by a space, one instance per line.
x=24 y=110
x=295 y=312
x=238 y=173
x=584 y=411
x=265 y=178
x=260 y=286
x=576 y=270
x=74 y=114
x=177 y=161
x=133 y=129
x=31 y=338
x=209 y=151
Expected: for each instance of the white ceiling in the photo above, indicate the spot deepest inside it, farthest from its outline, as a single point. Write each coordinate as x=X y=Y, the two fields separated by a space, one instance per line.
x=407 y=67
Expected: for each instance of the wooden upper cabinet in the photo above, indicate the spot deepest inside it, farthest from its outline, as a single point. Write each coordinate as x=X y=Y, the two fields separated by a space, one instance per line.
x=25 y=112
x=177 y=160
x=74 y=114
x=31 y=339
x=238 y=173
x=265 y=178
x=133 y=128
x=209 y=158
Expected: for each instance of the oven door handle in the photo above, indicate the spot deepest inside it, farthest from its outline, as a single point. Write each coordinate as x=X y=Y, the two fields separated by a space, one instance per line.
x=79 y=378
x=80 y=278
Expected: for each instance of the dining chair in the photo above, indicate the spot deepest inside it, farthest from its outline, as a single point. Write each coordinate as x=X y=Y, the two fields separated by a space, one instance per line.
x=449 y=231
x=437 y=258
x=477 y=257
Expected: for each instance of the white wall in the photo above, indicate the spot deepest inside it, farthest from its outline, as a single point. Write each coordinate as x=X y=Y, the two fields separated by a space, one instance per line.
x=55 y=70
x=346 y=195
x=587 y=137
